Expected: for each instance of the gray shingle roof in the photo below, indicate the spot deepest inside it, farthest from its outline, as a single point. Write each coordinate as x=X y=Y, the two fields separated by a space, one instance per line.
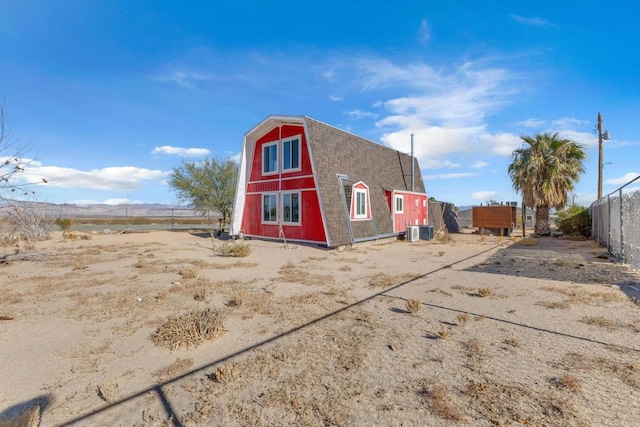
x=337 y=152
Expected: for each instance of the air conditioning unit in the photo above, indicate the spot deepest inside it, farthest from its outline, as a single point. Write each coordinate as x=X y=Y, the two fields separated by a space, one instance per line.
x=413 y=233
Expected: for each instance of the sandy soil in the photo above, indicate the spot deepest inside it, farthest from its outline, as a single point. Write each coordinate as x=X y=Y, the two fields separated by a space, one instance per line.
x=506 y=333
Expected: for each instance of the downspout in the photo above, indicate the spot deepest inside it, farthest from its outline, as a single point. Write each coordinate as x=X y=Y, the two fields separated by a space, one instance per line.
x=413 y=186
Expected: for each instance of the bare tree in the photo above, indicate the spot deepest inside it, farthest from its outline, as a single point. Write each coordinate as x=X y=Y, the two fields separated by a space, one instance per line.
x=12 y=161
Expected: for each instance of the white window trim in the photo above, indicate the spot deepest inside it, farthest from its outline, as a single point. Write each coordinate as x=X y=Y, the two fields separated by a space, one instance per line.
x=289 y=139
x=299 y=222
x=262 y=208
x=277 y=169
x=395 y=203
x=354 y=196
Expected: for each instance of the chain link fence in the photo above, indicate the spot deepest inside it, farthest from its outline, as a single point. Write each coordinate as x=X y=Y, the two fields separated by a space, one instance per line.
x=108 y=219
x=615 y=220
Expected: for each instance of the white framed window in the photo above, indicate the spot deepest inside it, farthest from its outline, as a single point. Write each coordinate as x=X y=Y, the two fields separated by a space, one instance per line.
x=291 y=208
x=399 y=202
x=291 y=154
x=270 y=208
x=360 y=202
x=270 y=158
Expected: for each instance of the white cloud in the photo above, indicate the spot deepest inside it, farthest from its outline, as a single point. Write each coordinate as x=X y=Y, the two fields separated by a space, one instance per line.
x=335 y=98
x=584 y=138
x=479 y=165
x=532 y=123
x=428 y=177
x=485 y=195
x=424 y=34
x=623 y=179
x=186 y=79
x=447 y=110
x=119 y=178
x=501 y=144
x=530 y=21
x=569 y=123
x=180 y=151
x=359 y=114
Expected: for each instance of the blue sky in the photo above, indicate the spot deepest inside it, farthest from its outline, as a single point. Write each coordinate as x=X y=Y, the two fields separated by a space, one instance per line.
x=109 y=96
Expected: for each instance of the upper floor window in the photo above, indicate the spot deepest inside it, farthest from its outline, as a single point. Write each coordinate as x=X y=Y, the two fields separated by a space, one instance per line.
x=291 y=154
x=270 y=158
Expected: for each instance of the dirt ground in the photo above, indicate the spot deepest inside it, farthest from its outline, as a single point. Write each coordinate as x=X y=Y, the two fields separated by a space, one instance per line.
x=501 y=333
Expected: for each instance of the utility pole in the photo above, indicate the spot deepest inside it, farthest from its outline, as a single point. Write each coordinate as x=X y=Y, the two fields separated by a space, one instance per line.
x=601 y=137
x=599 y=156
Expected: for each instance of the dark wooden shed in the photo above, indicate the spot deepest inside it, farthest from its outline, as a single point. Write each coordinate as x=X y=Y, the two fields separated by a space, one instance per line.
x=502 y=218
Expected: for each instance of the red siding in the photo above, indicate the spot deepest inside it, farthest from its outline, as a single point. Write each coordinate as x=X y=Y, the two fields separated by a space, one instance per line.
x=415 y=210
x=311 y=227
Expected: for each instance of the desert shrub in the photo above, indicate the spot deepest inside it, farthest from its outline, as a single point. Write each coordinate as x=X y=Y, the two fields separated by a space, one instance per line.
x=189 y=272
x=224 y=374
x=189 y=329
x=30 y=417
x=237 y=249
x=484 y=292
x=108 y=390
x=65 y=224
x=463 y=318
x=413 y=306
x=529 y=241
x=29 y=221
x=575 y=220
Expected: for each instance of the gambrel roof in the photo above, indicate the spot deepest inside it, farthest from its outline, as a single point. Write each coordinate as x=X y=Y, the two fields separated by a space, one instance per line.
x=339 y=160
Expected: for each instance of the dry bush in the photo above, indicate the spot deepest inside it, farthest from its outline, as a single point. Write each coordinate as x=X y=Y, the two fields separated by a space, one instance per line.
x=29 y=220
x=439 y=358
x=345 y=268
x=443 y=333
x=439 y=401
x=235 y=249
x=190 y=329
x=173 y=370
x=80 y=264
x=463 y=318
x=108 y=390
x=484 y=292
x=413 y=306
x=224 y=374
x=440 y=253
x=201 y=293
x=554 y=304
x=238 y=298
x=141 y=263
x=512 y=342
x=600 y=321
x=566 y=381
x=189 y=272
x=474 y=348
x=30 y=417
x=529 y=241
x=385 y=280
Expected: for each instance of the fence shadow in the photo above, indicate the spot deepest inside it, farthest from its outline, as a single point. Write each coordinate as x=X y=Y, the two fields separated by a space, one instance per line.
x=24 y=413
x=561 y=259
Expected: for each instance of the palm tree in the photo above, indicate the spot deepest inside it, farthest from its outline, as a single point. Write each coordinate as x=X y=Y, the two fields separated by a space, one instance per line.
x=545 y=170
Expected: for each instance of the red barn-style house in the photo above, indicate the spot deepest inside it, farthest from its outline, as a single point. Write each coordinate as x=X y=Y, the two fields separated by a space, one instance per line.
x=307 y=181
